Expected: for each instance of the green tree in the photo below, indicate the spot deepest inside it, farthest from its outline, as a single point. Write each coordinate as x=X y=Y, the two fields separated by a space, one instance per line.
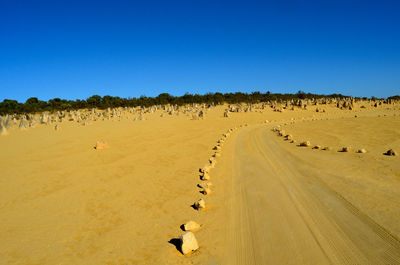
x=32 y=101
x=94 y=101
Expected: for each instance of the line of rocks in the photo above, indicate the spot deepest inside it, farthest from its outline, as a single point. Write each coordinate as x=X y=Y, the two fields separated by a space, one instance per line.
x=187 y=240
x=346 y=149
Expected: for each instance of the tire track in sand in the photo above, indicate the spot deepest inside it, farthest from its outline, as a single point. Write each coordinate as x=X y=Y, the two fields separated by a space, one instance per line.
x=282 y=213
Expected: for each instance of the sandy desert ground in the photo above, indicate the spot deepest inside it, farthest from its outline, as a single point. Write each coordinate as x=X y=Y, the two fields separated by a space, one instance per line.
x=272 y=201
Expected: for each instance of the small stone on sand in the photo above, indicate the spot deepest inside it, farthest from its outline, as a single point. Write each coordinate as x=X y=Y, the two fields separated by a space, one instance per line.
x=188 y=243
x=345 y=149
x=200 y=204
x=205 y=176
x=191 y=226
x=391 y=152
x=306 y=144
x=101 y=145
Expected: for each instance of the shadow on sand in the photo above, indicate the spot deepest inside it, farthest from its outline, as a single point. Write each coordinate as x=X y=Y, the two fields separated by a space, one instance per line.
x=177 y=243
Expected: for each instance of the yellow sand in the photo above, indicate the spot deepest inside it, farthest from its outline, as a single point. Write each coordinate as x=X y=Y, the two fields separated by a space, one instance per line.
x=63 y=202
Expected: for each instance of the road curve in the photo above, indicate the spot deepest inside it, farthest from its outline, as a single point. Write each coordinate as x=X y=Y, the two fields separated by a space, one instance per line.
x=283 y=213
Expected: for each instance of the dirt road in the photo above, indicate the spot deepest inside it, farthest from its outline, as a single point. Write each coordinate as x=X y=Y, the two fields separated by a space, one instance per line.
x=284 y=213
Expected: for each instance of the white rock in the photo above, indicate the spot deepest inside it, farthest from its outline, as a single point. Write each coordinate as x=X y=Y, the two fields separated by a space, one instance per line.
x=205 y=176
x=217 y=147
x=345 y=149
x=213 y=163
x=306 y=143
x=188 y=243
x=216 y=154
x=226 y=135
x=191 y=226
x=101 y=145
x=288 y=137
x=200 y=204
x=205 y=169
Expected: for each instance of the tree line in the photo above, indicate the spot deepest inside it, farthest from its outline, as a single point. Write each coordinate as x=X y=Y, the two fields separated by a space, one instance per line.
x=33 y=104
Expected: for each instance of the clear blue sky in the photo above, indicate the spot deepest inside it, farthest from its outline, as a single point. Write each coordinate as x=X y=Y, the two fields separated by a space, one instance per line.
x=74 y=49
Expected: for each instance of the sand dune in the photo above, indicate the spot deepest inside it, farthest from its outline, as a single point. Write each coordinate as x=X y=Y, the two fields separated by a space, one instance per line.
x=64 y=202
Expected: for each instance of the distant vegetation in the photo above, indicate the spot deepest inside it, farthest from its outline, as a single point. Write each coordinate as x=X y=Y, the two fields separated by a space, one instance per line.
x=33 y=104
x=397 y=97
